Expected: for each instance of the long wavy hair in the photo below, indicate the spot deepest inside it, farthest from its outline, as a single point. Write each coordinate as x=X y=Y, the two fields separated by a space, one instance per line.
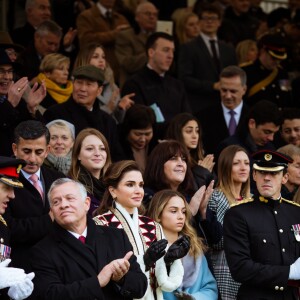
x=174 y=132
x=76 y=169
x=84 y=57
x=158 y=204
x=226 y=183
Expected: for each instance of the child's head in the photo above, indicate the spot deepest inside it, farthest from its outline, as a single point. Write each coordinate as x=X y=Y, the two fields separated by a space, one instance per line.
x=170 y=209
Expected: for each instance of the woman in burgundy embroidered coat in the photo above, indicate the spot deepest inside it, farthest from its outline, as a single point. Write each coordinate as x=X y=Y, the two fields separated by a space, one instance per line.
x=119 y=208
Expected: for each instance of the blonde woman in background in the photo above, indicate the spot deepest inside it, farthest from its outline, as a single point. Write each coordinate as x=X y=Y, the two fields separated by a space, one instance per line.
x=233 y=186
x=110 y=100
x=246 y=52
x=186 y=26
x=290 y=188
x=55 y=72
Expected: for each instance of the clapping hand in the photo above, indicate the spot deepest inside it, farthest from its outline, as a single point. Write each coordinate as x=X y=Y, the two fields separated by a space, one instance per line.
x=207 y=162
x=177 y=250
x=155 y=251
x=115 y=270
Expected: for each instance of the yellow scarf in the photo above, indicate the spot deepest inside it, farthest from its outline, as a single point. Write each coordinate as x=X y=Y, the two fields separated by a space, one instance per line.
x=58 y=93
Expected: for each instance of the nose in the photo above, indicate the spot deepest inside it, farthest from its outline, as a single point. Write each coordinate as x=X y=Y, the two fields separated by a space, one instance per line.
x=271 y=137
x=64 y=203
x=32 y=157
x=293 y=133
x=11 y=194
x=180 y=215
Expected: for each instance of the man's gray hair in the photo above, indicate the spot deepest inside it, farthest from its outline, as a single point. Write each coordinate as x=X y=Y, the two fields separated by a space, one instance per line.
x=233 y=71
x=61 y=181
x=29 y=4
x=49 y=26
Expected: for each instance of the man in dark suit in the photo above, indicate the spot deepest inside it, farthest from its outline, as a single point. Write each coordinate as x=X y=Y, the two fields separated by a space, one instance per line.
x=28 y=215
x=215 y=120
x=82 y=109
x=153 y=86
x=47 y=39
x=83 y=261
x=261 y=235
x=202 y=59
x=37 y=11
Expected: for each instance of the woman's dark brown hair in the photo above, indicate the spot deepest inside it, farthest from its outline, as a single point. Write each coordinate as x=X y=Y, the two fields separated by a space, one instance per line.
x=155 y=177
x=113 y=176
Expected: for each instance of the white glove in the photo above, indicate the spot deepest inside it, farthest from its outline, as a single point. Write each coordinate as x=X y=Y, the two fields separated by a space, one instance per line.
x=295 y=270
x=23 y=289
x=10 y=276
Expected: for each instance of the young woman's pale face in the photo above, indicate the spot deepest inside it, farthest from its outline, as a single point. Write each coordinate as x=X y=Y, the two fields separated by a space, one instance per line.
x=130 y=191
x=173 y=216
x=98 y=59
x=93 y=154
x=190 y=134
x=192 y=28
x=240 y=167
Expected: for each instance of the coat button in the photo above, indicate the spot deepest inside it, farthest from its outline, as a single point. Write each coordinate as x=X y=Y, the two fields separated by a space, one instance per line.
x=276 y=287
x=280 y=230
x=283 y=250
x=264 y=240
x=275 y=212
x=281 y=288
x=1 y=240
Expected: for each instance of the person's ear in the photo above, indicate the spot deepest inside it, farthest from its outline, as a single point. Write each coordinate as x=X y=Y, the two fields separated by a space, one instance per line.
x=285 y=178
x=112 y=192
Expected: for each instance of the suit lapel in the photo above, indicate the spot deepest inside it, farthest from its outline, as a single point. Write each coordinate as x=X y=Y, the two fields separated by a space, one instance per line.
x=98 y=241
x=82 y=254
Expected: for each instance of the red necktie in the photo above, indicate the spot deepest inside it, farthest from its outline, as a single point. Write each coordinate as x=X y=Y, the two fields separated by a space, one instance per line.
x=34 y=178
x=82 y=239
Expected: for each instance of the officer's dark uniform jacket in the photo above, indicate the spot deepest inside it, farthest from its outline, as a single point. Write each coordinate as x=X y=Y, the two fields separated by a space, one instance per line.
x=4 y=240
x=269 y=85
x=260 y=246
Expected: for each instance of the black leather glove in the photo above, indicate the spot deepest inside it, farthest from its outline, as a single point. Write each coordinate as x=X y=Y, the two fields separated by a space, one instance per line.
x=178 y=249
x=155 y=251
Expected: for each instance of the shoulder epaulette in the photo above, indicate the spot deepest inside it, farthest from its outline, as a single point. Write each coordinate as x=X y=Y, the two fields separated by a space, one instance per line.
x=2 y=220
x=247 y=200
x=246 y=64
x=290 y=202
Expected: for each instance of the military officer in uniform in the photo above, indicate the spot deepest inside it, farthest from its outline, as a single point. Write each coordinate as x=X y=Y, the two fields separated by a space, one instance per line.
x=266 y=79
x=19 y=284
x=262 y=235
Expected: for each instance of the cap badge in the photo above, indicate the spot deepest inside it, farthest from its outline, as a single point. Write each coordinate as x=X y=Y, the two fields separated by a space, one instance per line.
x=19 y=168
x=268 y=157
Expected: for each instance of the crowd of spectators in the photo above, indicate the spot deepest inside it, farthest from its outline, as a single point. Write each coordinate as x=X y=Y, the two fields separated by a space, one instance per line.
x=105 y=97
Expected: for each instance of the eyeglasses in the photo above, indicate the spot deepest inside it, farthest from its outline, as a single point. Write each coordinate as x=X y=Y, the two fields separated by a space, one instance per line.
x=8 y=72
x=150 y=14
x=212 y=19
